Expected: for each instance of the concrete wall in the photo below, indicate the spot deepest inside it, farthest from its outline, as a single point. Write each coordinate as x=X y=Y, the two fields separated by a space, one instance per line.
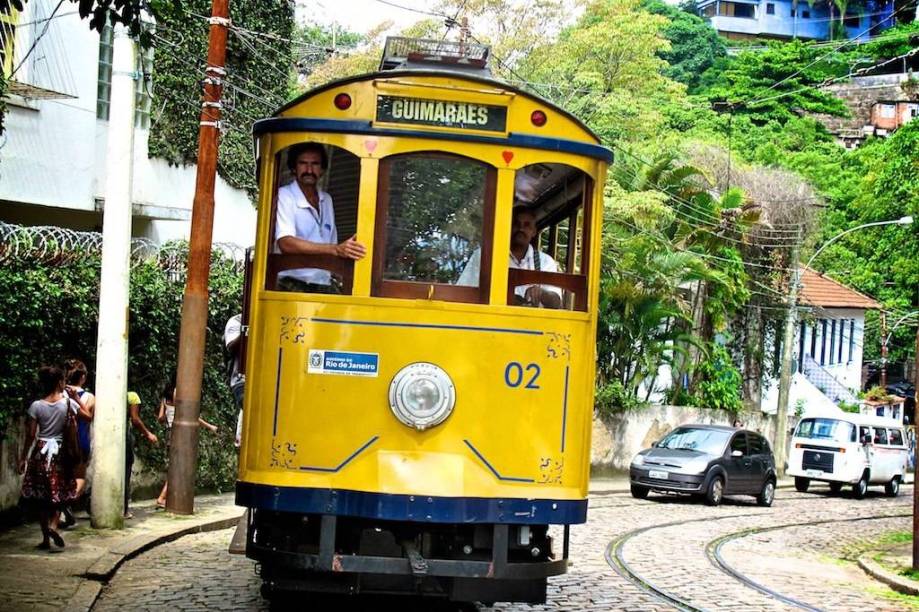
x=618 y=439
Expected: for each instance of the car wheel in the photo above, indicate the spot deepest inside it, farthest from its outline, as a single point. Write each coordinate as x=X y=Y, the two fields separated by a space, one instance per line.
x=639 y=492
x=801 y=484
x=835 y=488
x=715 y=491
x=892 y=488
x=860 y=488
x=767 y=495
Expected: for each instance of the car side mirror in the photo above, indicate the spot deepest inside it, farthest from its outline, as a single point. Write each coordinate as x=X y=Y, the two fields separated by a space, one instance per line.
x=654 y=444
x=736 y=453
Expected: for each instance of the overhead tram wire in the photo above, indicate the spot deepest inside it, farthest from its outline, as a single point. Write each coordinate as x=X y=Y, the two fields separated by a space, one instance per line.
x=414 y=10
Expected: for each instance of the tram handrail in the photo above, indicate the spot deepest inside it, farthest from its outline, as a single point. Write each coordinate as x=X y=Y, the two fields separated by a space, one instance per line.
x=338 y=266
x=575 y=283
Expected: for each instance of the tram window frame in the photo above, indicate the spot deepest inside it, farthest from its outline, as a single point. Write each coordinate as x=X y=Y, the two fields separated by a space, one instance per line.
x=575 y=284
x=341 y=268
x=403 y=289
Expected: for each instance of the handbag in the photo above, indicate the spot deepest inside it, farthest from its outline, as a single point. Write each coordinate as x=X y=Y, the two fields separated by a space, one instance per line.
x=71 y=455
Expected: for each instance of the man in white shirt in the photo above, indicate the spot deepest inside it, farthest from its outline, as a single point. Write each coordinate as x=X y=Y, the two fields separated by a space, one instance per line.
x=522 y=257
x=306 y=221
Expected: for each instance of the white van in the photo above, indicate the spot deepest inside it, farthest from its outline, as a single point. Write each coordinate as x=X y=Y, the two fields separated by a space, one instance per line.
x=850 y=449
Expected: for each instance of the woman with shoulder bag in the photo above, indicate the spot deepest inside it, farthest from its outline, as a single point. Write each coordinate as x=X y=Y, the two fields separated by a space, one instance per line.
x=49 y=482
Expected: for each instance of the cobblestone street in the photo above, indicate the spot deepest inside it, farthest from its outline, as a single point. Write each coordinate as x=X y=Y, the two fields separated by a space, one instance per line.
x=632 y=555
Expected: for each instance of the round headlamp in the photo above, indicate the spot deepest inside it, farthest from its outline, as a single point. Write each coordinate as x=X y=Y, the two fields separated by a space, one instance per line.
x=421 y=395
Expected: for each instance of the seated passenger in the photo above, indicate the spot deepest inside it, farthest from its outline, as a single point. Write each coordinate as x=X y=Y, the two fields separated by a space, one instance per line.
x=306 y=221
x=522 y=257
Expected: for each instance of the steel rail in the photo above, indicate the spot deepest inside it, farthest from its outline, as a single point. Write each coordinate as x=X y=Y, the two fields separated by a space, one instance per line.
x=616 y=560
x=713 y=551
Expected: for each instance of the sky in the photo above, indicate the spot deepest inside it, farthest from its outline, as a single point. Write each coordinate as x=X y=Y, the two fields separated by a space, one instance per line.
x=362 y=15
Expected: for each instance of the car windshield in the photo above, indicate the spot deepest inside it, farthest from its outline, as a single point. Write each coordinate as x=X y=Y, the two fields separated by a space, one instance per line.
x=710 y=441
x=826 y=429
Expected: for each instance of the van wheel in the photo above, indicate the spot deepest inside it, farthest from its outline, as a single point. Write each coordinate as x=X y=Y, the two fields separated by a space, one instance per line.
x=715 y=491
x=801 y=484
x=860 y=488
x=835 y=488
x=767 y=495
x=639 y=492
x=892 y=488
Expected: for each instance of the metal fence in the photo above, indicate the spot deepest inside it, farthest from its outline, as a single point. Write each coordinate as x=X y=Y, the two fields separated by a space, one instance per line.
x=57 y=246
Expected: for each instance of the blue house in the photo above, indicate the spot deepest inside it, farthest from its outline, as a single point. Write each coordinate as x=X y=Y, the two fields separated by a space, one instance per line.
x=787 y=19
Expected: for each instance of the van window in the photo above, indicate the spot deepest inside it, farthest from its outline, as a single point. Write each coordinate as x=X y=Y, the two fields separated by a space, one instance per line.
x=880 y=435
x=863 y=433
x=826 y=429
x=896 y=437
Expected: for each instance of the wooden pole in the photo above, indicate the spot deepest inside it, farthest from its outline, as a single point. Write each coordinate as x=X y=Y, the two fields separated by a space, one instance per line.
x=184 y=450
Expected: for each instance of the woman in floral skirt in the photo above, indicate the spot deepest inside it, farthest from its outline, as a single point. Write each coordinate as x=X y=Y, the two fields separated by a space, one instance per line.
x=48 y=483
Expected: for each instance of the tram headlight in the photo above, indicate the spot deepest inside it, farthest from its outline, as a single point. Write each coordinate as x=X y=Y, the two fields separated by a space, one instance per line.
x=421 y=395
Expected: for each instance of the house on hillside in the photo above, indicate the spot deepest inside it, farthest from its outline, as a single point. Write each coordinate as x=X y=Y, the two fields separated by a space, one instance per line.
x=878 y=105
x=53 y=152
x=828 y=346
x=788 y=19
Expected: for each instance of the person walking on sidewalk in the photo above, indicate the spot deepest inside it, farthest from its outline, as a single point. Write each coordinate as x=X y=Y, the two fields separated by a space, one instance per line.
x=48 y=483
x=75 y=375
x=166 y=416
x=135 y=422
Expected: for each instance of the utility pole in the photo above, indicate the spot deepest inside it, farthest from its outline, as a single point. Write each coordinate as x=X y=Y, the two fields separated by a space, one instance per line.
x=183 y=456
x=781 y=415
x=107 y=501
x=916 y=457
x=885 y=336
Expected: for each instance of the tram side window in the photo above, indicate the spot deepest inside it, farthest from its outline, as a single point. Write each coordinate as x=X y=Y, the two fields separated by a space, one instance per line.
x=549 y=237
x=315 y=208
x=432 y=213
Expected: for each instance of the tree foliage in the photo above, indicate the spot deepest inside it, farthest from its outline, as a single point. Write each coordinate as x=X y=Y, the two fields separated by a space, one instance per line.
x=50 y=313
x=694 y=44
x=260 y=77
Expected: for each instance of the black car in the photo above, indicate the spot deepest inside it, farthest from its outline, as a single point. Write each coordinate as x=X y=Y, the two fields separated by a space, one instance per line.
x=709 y=461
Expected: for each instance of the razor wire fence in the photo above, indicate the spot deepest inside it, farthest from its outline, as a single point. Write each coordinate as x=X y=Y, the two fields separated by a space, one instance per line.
x=57 y=246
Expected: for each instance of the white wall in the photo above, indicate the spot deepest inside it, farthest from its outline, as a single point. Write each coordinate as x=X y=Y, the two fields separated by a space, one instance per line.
x=55 y=152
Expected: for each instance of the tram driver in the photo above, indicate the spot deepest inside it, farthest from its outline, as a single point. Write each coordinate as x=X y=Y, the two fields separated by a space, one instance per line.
x=306 y=221
x=522 y=257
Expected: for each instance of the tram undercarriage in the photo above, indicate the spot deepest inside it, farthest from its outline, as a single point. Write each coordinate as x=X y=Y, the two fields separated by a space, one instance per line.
x=338 y=554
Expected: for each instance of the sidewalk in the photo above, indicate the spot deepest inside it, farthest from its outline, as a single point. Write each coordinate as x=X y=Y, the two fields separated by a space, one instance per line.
x=33 y=579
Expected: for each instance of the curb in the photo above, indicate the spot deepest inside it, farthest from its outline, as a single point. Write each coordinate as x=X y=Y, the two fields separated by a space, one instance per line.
x=105 y=567
x=895 y=582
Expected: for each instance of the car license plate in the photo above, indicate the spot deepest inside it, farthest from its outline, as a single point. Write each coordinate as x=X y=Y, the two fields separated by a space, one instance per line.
x=813 y=473
x=660 y=475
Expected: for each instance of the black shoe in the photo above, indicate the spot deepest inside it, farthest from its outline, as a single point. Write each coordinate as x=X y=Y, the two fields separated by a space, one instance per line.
x=56 y=538
x=69 y=520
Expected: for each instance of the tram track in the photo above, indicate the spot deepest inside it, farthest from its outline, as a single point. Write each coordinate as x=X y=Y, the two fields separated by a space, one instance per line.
x=615 y=558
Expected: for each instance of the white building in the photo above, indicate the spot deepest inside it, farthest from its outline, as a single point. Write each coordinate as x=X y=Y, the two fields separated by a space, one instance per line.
x=53 y=152
x=828 y=346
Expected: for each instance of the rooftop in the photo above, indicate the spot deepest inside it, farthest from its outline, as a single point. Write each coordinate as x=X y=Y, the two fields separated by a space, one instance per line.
x=820 y=290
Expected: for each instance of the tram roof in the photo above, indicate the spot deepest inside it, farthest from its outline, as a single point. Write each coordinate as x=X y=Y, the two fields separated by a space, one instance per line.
x=389 y=74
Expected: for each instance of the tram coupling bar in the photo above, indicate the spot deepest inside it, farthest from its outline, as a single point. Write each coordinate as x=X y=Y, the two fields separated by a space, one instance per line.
x=418 y=563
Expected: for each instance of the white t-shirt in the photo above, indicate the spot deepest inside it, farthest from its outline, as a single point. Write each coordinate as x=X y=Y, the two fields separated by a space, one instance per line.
x=470 y=275
x=297 y=217
x=231 y=333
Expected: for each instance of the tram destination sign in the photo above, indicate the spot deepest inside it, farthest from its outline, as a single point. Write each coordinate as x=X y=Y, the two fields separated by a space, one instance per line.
x=441 y=113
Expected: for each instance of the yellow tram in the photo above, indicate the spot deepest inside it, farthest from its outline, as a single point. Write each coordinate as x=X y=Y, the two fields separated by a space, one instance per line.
x=419 y=428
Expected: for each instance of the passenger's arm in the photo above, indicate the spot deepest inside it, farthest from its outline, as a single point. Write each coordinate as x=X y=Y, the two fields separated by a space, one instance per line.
x=349 y=249
x=27 y=445
x=139 y=424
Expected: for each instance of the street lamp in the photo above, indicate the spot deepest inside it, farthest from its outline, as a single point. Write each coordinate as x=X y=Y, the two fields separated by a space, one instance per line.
x=781 y=428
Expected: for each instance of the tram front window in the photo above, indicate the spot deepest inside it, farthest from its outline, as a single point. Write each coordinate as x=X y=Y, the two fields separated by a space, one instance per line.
x=431 y=219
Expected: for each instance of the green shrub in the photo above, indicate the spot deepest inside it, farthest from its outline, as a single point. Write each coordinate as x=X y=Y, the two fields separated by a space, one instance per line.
x=50 y=313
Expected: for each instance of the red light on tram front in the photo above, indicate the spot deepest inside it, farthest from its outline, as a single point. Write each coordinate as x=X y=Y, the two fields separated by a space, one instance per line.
x=342 y=101
x=538 y=118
